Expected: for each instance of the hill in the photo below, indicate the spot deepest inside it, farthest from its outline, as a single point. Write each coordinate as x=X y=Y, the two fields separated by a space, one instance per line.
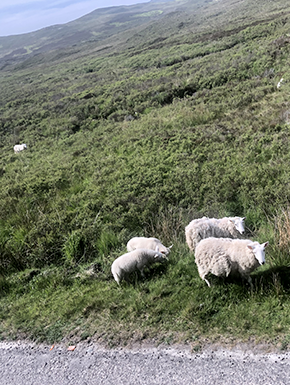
x=101 y=24
x=137 y=120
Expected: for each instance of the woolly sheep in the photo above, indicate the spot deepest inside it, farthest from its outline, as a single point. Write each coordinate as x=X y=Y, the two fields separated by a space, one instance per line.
x=135 y=260
x=201 y=228
x=19 y=147
x=226 y=256
x=148 y=243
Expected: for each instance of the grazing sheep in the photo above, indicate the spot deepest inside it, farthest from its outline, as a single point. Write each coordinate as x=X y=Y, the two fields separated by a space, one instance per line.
x=135 y=260
x=19 y=147
x=227 y=227
x=147 y=243
x=226 y=256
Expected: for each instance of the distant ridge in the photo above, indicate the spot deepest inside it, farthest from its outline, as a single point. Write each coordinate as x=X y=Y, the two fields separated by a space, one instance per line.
x=96 y=26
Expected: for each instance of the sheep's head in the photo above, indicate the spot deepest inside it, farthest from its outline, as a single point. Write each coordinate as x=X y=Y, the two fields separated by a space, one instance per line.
x=160 y=256
x=259 y=251
x=164 y=250
x=238 y=223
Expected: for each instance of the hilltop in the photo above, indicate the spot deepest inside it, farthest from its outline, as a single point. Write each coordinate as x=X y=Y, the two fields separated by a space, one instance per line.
x=102 y=26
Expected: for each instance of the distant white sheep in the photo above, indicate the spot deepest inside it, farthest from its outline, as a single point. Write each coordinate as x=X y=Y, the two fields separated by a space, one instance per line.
x=280 y=83
x=226 y=256
x=19 y=147
x=148 y=243
x=201 y=228
x=135 y=260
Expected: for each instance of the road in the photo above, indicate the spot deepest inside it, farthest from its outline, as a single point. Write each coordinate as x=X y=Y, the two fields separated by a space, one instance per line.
x=89 y=364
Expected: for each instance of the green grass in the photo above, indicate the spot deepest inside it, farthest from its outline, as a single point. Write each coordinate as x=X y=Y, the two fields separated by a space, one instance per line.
x=148 y=14
x=170 y=304
x=137 y=133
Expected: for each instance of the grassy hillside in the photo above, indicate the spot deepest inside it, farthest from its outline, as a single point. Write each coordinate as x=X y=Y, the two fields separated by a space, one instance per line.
x=137 y=132
x=95 y=27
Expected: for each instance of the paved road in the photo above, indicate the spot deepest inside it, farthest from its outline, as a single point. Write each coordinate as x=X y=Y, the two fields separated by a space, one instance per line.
x=89 y=364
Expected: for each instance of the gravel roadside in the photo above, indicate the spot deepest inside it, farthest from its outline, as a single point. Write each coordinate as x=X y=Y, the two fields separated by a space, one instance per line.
x=88 y=364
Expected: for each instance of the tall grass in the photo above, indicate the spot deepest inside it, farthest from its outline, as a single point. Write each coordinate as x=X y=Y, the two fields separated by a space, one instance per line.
x=282 y=229
x=170 y=304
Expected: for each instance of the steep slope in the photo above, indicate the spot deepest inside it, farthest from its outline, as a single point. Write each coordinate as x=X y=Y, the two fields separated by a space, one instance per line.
x=171 y=114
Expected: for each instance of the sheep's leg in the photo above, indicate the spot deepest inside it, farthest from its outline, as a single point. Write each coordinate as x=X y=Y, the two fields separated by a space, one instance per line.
x=207 y=282
x=202 y=273
x=249 y=279
x=203 y=277
x=117 y=278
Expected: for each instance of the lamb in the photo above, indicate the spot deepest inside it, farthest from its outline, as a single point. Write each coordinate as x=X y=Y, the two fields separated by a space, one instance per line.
x=201 y=228
x=226 y=256
x=19 y=147
x=135 y=260
x=148 y=243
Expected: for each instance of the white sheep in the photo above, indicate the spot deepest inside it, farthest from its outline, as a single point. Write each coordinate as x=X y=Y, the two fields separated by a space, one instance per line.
x=226 y=256
x=135 y=260
x=148 y=243
x=280 y=83
x=19 y=147
x=201 y=228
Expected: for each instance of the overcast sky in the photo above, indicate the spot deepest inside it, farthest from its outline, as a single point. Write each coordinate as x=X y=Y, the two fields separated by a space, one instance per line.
x=22 y=16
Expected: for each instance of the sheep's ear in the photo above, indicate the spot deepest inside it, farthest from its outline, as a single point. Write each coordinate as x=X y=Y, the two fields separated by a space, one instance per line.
x=266 y=244
x=250 y=247
x=170 y=246
x=244 y=218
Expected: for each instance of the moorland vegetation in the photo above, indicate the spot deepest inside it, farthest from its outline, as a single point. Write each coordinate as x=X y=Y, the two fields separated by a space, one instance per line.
x=137 y=132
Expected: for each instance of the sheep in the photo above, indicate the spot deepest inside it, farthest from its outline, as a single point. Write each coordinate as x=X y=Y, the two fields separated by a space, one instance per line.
x=135 y=260
x=226 y=256
x=280 y=83
x=227 y=227
x=148 y=243
x=19 y=147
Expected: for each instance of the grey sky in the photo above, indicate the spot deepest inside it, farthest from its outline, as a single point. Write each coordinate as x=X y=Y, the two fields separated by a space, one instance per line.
x=22 y=16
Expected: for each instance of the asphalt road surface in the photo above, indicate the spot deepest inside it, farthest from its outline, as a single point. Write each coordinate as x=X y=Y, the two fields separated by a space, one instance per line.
x=88 y=364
